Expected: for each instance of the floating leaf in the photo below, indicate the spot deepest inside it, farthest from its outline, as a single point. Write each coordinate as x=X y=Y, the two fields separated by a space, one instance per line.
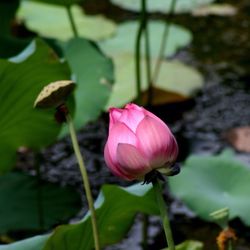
x=209 y=183
x=116 y=209
x=34 y=243
x=124 y=43
x=215 y=9
x=52 y=21
x=21 y=125
x=20 y=195
x=94 y=77
x=174 y=77
x=189 y=245
x=161 y=5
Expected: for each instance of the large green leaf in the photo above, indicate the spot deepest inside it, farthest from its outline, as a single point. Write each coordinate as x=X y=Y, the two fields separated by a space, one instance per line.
x=94 y=76
x=34 y=243
x=7 y=12
x=115 y=214
x=124 y=43
x=162 y=5
x=52 y=21
x=116 y=209
x=23 y=197
x=9 y=45
x=209 y=183
x=20 y=82
x=174 y=76
x=189 y=245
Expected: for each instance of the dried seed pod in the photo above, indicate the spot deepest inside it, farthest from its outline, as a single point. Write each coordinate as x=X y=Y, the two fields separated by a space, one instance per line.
x=54 y=94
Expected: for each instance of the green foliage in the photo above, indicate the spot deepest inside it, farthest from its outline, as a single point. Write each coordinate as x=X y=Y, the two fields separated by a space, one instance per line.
x=7 y=12
x=20 y=195
x=124 y=43
x=116 y=209
x=34 y=243
x=20 y=83
x=162 y=5
x=52 y=21
x=9 y=45
x=174 y=76
x=209 y=183
x=189 y=245
x=94 y=76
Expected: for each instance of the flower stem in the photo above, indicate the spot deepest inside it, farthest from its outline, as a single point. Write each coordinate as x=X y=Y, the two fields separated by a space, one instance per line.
x=163 y=213
x=39 y=191
x=230 y=245
x=138 y=58
x=163 y=42
x=147 y=53
x=71 y=20
x=85 y=180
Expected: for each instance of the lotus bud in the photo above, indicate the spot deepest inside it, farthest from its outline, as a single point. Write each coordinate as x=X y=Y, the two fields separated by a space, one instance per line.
x=138 y=142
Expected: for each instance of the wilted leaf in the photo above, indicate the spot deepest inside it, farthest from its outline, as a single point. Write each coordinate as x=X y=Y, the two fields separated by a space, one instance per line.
x=53 y=21
x=209 y=183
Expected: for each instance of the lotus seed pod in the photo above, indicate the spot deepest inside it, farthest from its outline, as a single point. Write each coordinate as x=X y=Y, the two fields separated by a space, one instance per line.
x=54 y=94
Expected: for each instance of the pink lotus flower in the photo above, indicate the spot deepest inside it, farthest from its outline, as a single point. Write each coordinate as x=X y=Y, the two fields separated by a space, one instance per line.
x=138 y=143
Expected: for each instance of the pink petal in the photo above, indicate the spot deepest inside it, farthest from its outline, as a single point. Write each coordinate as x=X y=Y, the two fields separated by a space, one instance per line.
x=113 y=167
x=146 y=112
x=119 y=133
x=155 y=141
x=114 y=115
x=172 y=150
x=133 y=106
x=131 y=118
x=131 y=160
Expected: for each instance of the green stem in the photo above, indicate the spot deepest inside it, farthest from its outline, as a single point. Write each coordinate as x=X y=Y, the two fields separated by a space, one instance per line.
x=163 y=42
x=71 y=20
x=230 y=245
x=85 y=180
x=163 y=213
x=147 y=53
x=138 y=51
x=39 y=191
